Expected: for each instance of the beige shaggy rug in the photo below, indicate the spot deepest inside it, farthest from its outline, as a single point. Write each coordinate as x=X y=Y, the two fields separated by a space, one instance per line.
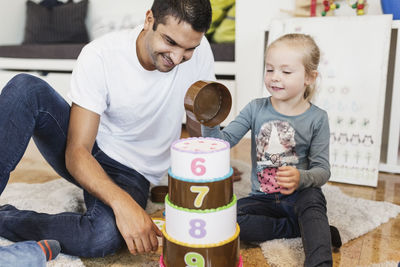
x=352 y=216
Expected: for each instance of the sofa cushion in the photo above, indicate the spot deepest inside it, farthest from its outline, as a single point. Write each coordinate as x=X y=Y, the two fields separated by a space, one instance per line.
x=63 y=23
x=223 y=51
x=50 y=3
x=46 y=51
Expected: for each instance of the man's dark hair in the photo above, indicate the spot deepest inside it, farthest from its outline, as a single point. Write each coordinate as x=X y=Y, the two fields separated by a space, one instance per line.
x=195 y=12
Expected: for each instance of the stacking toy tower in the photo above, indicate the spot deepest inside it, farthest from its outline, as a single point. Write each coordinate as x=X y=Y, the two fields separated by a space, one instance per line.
x=200 y=208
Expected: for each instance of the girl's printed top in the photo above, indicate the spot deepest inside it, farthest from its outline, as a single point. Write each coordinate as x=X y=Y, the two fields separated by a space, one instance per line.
x=278 y=140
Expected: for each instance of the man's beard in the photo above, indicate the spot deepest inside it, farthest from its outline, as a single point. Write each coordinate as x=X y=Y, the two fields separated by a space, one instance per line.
x=159 y=64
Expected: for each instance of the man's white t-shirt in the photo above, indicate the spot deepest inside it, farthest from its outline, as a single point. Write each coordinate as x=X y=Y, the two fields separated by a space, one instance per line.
x=140 y=111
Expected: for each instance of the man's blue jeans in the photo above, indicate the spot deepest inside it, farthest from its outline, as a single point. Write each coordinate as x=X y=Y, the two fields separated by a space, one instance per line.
x=303 y=213
x=29 y=107
x=22 y=254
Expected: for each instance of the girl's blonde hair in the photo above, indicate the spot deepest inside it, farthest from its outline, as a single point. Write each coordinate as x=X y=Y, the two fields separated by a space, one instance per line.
x=311 y=55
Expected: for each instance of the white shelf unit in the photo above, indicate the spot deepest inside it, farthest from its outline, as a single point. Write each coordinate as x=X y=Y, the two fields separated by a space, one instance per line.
x=225 y=68
x=228 y=69
x=59 y=81
x=391 y=159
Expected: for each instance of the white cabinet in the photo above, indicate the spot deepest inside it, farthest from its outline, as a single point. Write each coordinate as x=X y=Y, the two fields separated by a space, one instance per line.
x=231 y=85
x=390 y=162
x=59 y=81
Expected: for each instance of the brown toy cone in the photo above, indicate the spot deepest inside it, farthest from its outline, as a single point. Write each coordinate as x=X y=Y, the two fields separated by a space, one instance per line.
x=208 y=103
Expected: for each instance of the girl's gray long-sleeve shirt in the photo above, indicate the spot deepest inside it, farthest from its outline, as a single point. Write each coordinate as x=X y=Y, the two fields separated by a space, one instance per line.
x=277 y=140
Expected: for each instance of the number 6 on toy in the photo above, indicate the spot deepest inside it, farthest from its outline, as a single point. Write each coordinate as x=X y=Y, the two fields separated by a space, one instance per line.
x=198 y=169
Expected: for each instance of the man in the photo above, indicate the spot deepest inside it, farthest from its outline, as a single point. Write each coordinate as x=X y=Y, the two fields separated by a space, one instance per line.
x=127 y=92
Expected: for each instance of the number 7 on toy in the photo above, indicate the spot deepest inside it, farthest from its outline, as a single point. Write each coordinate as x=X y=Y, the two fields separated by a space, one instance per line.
x=202 y=192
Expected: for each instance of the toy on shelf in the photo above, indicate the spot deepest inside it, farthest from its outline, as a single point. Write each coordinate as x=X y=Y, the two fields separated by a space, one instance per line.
x=359 y=5
x=305 y=8
x=313 y=8
x=391 y=7
x=328 y=6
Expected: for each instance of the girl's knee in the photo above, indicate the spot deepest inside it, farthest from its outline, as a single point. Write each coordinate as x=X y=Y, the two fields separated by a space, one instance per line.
x=310 y=198
x=241 y=217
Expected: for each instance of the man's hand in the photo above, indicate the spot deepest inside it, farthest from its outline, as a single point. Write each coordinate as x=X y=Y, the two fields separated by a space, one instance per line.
x=136 y=227
x=288 y=178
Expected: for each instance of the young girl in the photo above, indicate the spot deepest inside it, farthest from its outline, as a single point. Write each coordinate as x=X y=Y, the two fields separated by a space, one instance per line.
x=290 y=152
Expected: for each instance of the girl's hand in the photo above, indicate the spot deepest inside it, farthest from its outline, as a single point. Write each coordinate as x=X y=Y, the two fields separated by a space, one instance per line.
x=288 y=178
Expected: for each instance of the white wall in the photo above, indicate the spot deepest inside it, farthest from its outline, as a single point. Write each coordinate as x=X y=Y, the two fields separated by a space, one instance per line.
x=103 y=16
x=12 y=21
